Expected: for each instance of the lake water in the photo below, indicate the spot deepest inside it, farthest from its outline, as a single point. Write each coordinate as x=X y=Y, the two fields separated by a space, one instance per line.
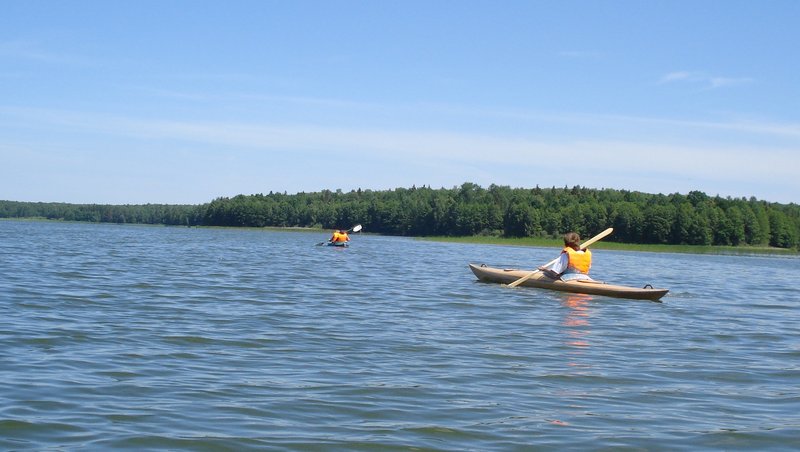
x=136 y=337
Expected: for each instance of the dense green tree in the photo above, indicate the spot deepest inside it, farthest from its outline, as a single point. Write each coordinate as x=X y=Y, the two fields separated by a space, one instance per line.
x=752 y=229
x=520 y=220
x=694 y=218
x=760 y=210
x=658 y=223
x=783 y=234
x=627 y=219
x=735 y=223
x=691 y=226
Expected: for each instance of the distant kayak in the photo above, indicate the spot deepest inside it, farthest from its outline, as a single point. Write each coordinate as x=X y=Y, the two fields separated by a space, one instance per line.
x=341 y=235
x=591 y=287
x=336 y=244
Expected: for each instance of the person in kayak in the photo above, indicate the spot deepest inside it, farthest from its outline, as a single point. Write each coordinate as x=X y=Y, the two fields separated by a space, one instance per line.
x=339 y=238
x=573 y=263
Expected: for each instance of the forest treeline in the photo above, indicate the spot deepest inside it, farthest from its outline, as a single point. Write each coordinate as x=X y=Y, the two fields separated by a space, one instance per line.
x=693 y=219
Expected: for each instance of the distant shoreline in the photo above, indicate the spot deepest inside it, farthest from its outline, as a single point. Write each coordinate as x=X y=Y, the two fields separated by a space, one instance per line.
x=539 y=242
x=706 y=224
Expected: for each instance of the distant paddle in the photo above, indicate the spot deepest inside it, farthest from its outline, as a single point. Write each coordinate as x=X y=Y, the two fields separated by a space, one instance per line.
x=355 y=228
x=583 y=245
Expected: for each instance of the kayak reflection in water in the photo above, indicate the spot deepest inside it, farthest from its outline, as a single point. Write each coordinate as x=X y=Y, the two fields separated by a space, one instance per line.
x=577 y=320
x=573 y=263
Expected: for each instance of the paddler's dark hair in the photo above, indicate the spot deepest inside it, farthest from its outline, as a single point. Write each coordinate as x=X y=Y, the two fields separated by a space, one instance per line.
x=572 y=240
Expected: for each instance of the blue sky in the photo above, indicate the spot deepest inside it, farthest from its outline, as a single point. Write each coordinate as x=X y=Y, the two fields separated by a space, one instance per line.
x=181 y=102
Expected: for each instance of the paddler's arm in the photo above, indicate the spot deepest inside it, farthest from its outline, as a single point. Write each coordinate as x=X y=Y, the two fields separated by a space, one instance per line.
x=554 y=271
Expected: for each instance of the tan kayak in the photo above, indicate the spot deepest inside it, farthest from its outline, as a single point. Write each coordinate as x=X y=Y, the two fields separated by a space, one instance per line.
x=505 y=276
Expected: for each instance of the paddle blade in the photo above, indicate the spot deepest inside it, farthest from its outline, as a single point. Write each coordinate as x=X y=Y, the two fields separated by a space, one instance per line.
x=356 y=228
x=597 y=237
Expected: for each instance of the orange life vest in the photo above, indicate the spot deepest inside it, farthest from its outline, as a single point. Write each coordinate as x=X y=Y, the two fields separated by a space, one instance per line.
x=578 y=261
x=339 y=237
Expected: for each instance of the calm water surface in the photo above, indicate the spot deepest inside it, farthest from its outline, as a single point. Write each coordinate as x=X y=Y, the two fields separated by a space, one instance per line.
x=132 y=337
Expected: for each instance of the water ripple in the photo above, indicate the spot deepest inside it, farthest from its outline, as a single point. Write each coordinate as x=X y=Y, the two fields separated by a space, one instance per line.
x=121 y=337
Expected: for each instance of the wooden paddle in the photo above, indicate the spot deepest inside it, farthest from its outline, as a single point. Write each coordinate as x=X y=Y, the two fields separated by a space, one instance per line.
x=583 y=245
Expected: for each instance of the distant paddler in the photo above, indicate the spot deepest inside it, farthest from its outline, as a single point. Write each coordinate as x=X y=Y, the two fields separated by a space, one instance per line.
x=340 y=237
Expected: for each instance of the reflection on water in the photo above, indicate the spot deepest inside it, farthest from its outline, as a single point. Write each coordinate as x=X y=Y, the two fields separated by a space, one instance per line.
x=577 y=330
x=577 y=320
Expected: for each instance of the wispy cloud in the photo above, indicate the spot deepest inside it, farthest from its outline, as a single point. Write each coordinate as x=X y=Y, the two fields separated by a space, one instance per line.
x=676 y=76
x=424 y=143
x=718 y=82
x=298 y=134
x=28 y=50
x=588 y=54
x=704 y=164
x=769 y=129
x=703 y=79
